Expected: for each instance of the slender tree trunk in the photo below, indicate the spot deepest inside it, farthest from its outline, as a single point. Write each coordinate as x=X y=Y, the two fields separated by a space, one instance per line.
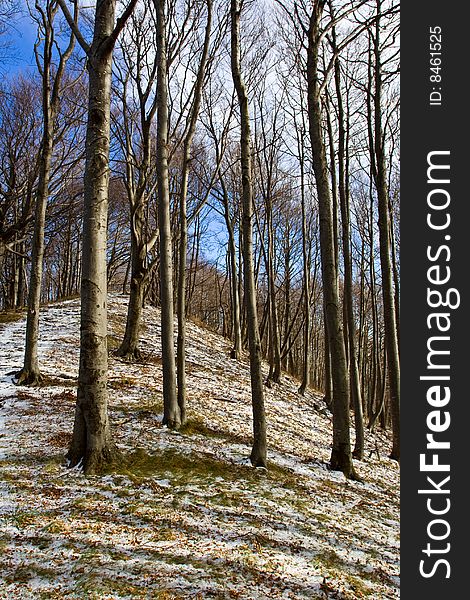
x=306 y=280
x=258 y=453
x=171 y=412
x=237 y=333
x=30 y=373
x=21 y=277
x=348 y=291
x=396 y=278
x=183 y=243
x=15 y=277
x=380 y=176
x=287 y=300
x=275 y=374
x=194 y=265
x=181 y=296
x=341 y=458
x=328 y=398
x=129 y=348
x=126 y=277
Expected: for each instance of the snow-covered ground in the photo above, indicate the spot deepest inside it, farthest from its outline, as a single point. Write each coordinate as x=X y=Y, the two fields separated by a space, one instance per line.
x=188 y=517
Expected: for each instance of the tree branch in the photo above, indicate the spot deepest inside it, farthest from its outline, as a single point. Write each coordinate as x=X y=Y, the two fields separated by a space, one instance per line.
x=74 y=27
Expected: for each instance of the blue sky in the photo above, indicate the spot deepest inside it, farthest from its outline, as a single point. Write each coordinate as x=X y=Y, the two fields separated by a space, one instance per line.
x=22 y=36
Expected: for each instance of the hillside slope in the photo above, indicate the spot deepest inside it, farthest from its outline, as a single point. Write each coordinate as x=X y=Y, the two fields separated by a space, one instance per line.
x=189 y=518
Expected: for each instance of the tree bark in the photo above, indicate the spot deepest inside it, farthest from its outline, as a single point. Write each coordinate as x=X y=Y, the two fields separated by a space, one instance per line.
x=341 y=458
x=306 y=275
x=237 y=332
x=183 y=247
x=259 y=450
x=91 y=444
x=91 y=435
x=129 y=348
x=275 y=374
x=30 y=373
x=171 y=412
x=358 y=451
x=380 y=177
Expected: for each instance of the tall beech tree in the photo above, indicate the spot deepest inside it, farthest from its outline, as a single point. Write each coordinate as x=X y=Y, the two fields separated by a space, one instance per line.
x=91 y=443
x=138 y=71
x=259 y=450
x=341 y=458
x=183 y=192
x=52 y=89
x=343 y=189
x=380 y=177
x=171 y=412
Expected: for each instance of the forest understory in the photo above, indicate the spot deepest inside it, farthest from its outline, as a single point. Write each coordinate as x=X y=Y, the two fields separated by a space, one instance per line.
x=185 y=515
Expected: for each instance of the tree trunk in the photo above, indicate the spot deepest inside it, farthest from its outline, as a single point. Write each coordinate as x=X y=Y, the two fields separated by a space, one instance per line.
x=380 y=176
x=171 y=412
x=341 y=458
x=181 y=297
x=306 y=280
x=91 y=443
x=348 y=283
x=258 y=453
x=236 y=333
x=275 y=374
x=30 y=373
x=287 y=300
x=129 y=348
x=183 y=247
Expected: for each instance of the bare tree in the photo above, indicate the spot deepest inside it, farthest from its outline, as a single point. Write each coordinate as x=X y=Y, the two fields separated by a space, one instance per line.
x=91 y=443
x=20 y=136
x=258 y=453
x=341 y=458
x=269 y=140
x=183 y=242
x=343 y=189
x=137 y=75
x=171 y=413
x=52 y=89
x=9 y=9
x=218 y=133
x=379 y=173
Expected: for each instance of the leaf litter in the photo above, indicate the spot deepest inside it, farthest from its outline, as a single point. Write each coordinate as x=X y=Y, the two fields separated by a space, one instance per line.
x=186 y=516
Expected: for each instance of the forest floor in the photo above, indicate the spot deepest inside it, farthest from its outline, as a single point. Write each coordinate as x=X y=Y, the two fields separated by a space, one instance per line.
x=188 y=517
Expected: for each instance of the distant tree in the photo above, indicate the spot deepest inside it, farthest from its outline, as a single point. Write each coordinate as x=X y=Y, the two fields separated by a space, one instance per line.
x=20 y=135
